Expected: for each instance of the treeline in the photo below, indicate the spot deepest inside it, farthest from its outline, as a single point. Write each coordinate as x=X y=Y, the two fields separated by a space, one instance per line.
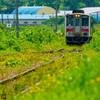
x=7 y=6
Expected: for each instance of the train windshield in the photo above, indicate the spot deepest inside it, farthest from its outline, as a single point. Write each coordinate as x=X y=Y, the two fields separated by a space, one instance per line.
x=85 y=20
x=77 y=22
x=69 y=20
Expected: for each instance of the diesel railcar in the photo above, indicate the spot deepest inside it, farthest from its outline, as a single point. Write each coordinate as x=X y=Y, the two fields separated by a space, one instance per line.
x=78 y=27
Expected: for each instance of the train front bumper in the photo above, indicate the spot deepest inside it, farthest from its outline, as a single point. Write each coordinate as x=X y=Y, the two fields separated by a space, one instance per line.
x=77 y=40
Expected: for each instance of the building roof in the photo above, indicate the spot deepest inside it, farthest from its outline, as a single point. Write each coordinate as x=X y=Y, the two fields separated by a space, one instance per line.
x=90 y=10
x=28 y=10
x=87 y=10
x=34 y=10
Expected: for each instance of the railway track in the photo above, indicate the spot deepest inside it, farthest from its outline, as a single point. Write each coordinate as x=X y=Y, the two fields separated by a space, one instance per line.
x=34 y=68
x=61 y=50
x=26 y=72
x=51 y=51
x=27 y=89
x=11 y=79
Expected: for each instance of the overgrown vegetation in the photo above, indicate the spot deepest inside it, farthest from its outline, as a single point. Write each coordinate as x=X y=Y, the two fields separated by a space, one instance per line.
x=60 y=21
x=75 y=77
x=30 y=37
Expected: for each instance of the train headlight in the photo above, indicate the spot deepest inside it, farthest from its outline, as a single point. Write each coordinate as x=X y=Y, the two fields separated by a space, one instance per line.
x=77 y=16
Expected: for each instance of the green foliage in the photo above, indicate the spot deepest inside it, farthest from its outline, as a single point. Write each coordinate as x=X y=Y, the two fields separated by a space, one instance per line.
x=28 y=35
x=14 y=61
x=7 y=6
x=95 y=44
x=81 y=5
x=95 y=21
x=49 y=21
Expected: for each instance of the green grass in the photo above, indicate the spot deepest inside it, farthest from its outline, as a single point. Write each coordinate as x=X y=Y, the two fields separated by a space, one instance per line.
x=75 y=77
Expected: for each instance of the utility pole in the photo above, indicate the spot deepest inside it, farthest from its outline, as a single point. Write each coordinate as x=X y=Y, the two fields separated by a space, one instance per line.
x=14 y=22
x=8 y=19
x=56 y=13
x=97 y=16
x=17 y=21
x=2 y=17
x=52 y=23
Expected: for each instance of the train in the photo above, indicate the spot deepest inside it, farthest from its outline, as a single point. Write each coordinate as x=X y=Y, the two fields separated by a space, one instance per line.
x=78 y=27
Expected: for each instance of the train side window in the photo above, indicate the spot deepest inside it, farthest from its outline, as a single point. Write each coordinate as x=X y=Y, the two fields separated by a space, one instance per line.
x=85 y=20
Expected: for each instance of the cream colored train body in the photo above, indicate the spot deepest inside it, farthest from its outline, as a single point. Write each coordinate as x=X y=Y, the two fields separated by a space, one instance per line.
x=78 y=27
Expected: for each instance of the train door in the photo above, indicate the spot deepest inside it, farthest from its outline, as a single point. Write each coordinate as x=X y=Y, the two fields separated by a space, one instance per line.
x=77 y=26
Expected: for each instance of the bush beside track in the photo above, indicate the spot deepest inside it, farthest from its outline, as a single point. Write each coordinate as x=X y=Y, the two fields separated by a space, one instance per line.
x=30 y=38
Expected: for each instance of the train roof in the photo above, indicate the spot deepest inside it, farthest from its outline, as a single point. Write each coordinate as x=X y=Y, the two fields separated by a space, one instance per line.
x=77 y=13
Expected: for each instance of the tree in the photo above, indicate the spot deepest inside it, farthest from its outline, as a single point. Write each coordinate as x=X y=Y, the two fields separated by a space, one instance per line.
x=71 y=4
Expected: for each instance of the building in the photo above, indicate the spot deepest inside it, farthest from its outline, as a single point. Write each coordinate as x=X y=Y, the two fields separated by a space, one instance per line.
x=28 y=16
x=93 y=11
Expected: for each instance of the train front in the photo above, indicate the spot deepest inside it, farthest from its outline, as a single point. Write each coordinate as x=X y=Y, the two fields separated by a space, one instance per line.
x=78 y=27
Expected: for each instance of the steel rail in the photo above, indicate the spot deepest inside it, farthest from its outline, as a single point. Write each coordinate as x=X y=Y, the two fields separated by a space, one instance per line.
x=52 y=51
x=34 y=68
x=22 y=92
x=26 y=72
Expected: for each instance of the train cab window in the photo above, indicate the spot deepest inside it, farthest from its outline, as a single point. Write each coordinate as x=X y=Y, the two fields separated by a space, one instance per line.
x=85 y=20
x=69 y=21
x=77 y=22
